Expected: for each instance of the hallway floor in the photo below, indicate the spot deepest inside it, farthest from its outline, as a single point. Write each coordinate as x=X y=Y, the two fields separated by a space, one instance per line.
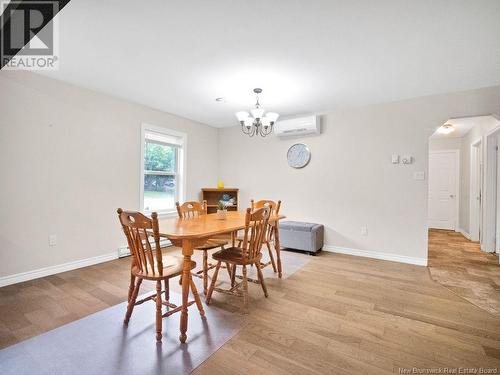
x=462 y=267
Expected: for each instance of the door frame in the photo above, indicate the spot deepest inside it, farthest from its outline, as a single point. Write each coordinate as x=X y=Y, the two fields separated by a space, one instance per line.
x=456 y=152
x=476 y=187
x=488 y=239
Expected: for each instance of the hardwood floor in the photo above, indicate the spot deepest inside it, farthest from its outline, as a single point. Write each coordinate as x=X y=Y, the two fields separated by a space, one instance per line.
x=33 y=307
x=338 y=315
x=462 y=267
x=30 y=308
x=343 y=314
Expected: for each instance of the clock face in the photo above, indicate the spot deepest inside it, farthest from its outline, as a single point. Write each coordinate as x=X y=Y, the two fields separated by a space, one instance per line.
x=298 y=155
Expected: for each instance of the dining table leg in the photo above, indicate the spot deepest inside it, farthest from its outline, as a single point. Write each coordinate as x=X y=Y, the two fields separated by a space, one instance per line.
x=187 y=251
x=277 y=247
x=233 y=238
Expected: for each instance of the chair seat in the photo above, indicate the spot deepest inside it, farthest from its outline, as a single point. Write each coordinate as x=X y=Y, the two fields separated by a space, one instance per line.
x=233 y=255
x=172 y=266
x=212 y=243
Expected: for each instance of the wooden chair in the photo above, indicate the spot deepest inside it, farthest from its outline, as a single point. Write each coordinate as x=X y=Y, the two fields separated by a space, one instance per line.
x=189 y=210
x=269 y=236
x=148 y=263
x=256 y=227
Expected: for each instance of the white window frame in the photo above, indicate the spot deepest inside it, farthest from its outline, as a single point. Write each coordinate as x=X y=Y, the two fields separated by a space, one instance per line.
x=180 y=188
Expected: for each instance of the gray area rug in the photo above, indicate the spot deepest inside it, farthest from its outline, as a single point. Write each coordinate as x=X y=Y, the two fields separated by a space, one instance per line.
x=101 y=344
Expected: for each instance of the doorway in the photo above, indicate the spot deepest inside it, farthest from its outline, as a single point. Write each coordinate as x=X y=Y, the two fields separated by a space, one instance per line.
x=443 y=189
x=456 y=256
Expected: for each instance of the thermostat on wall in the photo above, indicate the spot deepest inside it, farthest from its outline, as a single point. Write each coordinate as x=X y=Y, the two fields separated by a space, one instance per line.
x=406 y=159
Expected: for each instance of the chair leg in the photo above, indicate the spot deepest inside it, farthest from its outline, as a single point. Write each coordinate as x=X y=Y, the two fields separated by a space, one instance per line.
x=233 y=276
x=205 y=271
x=273 y=263
x=166 y=283
x=261 y=278
x=212 y=284
x=158 y=311
x=131 y=302
x=228 y=267
x=197 y=298
x=132 y=286
x=245 y=290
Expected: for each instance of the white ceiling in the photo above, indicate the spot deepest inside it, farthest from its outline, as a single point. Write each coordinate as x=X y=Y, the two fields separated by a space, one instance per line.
x=307 y=56
x=462 y=126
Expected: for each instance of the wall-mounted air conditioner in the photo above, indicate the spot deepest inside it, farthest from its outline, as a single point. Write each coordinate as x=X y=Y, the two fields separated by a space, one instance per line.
x=297 y=126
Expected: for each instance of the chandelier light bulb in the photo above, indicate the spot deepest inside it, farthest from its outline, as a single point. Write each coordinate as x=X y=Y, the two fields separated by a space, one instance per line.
x=272 y=116
x=241 y=116
x=257 y=112
x=248 y=122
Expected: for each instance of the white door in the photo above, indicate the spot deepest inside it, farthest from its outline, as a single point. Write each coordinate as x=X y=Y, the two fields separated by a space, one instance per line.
x=443 y=189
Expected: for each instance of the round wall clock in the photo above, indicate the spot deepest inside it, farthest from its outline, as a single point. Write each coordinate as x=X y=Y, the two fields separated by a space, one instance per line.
x=298 y=155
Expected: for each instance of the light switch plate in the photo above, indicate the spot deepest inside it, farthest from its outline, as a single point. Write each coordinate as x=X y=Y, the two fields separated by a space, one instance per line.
x=52 y=240
x=395 y=159
x=419 y=176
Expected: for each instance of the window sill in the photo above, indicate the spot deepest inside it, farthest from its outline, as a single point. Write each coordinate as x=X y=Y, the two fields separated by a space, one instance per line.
x=161 y=214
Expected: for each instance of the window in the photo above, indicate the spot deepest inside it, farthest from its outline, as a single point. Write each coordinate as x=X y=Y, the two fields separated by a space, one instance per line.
x=162 y=169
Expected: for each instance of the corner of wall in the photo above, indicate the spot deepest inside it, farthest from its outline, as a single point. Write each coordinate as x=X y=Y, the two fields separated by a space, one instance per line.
x=217 y=169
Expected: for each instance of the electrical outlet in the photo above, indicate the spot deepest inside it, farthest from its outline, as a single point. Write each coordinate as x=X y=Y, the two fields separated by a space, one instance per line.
x=364 y=230
x=52 y=240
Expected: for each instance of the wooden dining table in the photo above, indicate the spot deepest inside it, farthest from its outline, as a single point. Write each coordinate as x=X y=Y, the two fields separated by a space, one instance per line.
x=193 y=232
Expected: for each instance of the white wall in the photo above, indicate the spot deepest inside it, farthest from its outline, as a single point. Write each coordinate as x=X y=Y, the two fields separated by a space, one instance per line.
x=440 y=144
x=68 y=158
x=350 y=180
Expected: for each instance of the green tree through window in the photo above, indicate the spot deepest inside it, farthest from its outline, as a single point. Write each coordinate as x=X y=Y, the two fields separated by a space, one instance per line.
x=161 y=173
x=159 y=157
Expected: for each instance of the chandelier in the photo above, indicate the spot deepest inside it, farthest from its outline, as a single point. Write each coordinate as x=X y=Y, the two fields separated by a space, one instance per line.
x=257 y=123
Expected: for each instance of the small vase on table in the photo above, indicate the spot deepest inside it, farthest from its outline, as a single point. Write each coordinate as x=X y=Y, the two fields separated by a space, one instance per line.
x=221 y=211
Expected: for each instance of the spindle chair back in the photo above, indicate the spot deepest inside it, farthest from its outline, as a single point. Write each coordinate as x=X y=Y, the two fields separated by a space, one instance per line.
x=138 y=230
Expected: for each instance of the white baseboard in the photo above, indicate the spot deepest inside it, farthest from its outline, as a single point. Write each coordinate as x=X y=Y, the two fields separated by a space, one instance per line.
x=376 y=255
x=51 y=270
x=464 y=233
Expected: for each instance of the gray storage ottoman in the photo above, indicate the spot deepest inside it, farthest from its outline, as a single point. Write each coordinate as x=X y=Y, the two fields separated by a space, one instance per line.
x=297 y=235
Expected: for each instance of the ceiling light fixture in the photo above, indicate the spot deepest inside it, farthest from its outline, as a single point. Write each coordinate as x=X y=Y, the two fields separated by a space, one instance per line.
x=258 y=122
x=446 y=129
